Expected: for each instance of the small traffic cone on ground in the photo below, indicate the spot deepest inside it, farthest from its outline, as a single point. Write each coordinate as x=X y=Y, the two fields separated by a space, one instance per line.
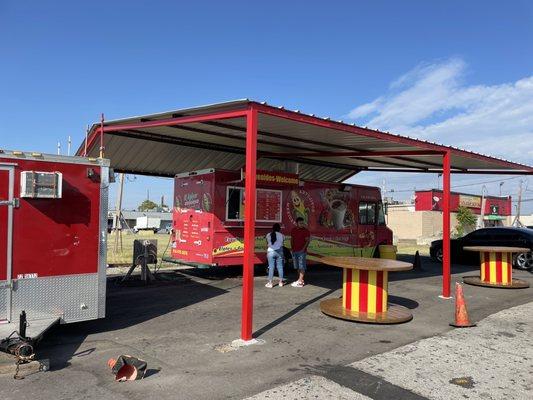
x=127 y=368
x=417 y=263
x=461 y=314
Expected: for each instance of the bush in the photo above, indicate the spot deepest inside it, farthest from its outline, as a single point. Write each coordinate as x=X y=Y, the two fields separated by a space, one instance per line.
x=466 y=221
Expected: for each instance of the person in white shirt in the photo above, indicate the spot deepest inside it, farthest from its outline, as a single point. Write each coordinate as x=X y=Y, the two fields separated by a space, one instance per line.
x=275 y=254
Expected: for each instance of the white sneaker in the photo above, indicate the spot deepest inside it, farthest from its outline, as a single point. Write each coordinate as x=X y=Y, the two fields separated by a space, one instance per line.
x=297 y=284
x=269 y=285
x=281 y=283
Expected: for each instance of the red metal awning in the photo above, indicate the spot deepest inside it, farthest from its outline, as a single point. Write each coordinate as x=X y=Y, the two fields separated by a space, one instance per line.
x=165 y=144
x=251 y=135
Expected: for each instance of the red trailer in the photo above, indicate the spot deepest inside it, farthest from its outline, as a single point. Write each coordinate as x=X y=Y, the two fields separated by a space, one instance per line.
x=208 y=216
x=53 y=220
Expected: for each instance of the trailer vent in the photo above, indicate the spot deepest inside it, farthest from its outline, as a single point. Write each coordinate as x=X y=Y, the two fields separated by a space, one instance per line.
x=41 y=185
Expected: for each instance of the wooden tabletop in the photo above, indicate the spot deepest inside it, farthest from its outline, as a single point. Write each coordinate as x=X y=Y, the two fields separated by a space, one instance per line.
x=497 y=249
x=369 y=264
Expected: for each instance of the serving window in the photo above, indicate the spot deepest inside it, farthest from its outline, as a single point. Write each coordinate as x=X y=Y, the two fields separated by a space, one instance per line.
x=268 y=206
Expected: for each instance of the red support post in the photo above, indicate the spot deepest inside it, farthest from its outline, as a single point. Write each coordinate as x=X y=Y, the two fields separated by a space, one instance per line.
x=249 y=224
x=446 y=260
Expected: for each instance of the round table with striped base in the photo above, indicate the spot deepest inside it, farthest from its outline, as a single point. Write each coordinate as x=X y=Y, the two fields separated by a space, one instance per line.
x=365 y=291
x=496 y=267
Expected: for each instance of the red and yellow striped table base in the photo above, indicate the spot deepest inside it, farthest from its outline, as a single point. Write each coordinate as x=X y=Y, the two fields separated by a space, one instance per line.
x=496 y=268
x=365 y=293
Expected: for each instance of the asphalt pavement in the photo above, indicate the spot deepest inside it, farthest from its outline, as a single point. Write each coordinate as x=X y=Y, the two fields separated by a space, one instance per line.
x=184 y=324
x=492 y=361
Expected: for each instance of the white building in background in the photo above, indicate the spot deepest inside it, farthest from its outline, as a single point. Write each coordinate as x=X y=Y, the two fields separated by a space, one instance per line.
x=527 y=220
x=130 y=218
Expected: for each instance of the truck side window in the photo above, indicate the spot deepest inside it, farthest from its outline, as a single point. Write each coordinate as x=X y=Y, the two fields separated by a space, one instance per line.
x=362 y=214
x=371 y=213
x=381 y=214
x=367 y=213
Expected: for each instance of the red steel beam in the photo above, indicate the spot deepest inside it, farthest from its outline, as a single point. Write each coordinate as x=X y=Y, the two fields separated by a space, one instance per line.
x=177 y=121
x=446 y=259
x=249 y=224
x=299 y=140
x=400 y=153
x=365 y=153
x=423 y=165
x=165 y=122
x=453 y=171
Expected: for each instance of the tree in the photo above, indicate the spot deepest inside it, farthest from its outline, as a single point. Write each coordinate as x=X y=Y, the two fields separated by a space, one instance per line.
x=466 y=221
x=147 y=205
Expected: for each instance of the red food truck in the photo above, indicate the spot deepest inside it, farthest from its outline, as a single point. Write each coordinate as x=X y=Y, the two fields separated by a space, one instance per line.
x=53 y=220
x=209 y=209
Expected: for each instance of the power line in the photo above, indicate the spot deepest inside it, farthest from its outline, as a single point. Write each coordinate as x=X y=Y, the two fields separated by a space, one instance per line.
x=482 y=183
x=457 y=186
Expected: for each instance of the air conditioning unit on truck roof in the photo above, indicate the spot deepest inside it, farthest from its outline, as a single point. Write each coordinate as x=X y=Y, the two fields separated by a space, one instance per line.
x=53 y=220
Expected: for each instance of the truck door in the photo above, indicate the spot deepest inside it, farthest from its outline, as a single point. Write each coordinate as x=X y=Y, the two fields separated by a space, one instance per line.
x=366 y=234
x=6 y=239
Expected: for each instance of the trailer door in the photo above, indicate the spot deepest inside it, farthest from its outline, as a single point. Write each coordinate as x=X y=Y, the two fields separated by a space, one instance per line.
x=6 y=238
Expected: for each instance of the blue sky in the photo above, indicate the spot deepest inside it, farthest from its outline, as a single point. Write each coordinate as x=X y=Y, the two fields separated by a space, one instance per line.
x=454 y=72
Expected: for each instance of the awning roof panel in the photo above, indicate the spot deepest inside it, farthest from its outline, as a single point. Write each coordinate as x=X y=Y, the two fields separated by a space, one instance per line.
x=324 y=149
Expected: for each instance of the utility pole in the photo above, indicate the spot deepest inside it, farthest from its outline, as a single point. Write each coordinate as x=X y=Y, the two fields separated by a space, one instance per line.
x=516 y=221
x=58 y=148
x=69 y=143
x=118 y=216
x=86 y=138
x=480 y=220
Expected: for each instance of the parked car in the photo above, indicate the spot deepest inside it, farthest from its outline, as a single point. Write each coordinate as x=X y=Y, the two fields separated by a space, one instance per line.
x=500 y=236
x=167 y=229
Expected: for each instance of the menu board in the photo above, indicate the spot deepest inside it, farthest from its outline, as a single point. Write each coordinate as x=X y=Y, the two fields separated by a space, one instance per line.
x=268 y=206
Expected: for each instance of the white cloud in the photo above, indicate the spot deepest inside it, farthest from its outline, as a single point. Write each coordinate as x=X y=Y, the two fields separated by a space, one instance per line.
x=433 y=102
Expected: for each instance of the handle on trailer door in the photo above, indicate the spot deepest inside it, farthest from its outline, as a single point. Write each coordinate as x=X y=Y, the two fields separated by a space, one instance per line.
x=15 y=203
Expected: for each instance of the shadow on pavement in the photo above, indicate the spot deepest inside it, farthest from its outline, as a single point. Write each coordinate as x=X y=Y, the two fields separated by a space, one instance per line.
x=403 y=301
x=126 y=305
x=294 y=311
x=134 y=303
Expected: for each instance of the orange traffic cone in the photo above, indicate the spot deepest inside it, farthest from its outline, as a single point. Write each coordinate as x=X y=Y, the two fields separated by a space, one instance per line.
x=461 y=314
x=127 y=368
